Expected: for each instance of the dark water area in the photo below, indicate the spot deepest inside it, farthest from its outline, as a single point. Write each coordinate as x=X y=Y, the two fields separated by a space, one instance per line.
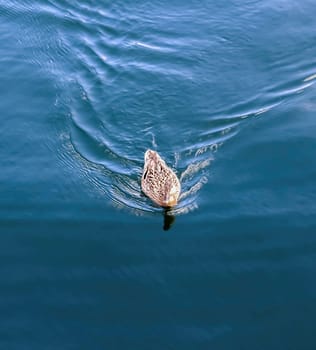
x=225 y=92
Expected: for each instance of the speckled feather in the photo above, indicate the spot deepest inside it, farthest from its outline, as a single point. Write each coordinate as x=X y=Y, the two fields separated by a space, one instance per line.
x=159 y=182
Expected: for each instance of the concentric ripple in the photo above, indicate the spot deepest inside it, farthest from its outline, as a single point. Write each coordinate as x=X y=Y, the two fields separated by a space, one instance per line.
x=132 y=79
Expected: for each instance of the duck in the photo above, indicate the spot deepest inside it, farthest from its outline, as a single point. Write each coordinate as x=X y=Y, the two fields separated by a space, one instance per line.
x=159 y=182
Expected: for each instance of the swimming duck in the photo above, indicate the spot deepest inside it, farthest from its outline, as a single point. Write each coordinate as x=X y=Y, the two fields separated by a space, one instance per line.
x=159 y=182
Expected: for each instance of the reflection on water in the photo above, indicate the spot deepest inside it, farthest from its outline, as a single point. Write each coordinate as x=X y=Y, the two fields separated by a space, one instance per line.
x=169 y=219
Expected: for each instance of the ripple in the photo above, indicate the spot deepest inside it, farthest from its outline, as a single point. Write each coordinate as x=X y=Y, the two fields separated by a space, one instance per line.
x=311 y=77
x=127 y=83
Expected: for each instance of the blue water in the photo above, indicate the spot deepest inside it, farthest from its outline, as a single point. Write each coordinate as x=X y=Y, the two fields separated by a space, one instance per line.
x=225 y=92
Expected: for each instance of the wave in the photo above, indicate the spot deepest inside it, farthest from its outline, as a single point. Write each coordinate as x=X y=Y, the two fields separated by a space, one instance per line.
x=125 y=87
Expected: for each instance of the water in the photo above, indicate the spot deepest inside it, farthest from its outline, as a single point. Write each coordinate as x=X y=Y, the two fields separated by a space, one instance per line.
x=226 y=93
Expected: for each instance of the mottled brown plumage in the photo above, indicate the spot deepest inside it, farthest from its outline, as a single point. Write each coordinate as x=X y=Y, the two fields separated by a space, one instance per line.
x=159 y=182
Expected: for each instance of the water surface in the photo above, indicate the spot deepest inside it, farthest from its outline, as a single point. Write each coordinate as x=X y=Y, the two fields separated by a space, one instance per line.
x=226 y=93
